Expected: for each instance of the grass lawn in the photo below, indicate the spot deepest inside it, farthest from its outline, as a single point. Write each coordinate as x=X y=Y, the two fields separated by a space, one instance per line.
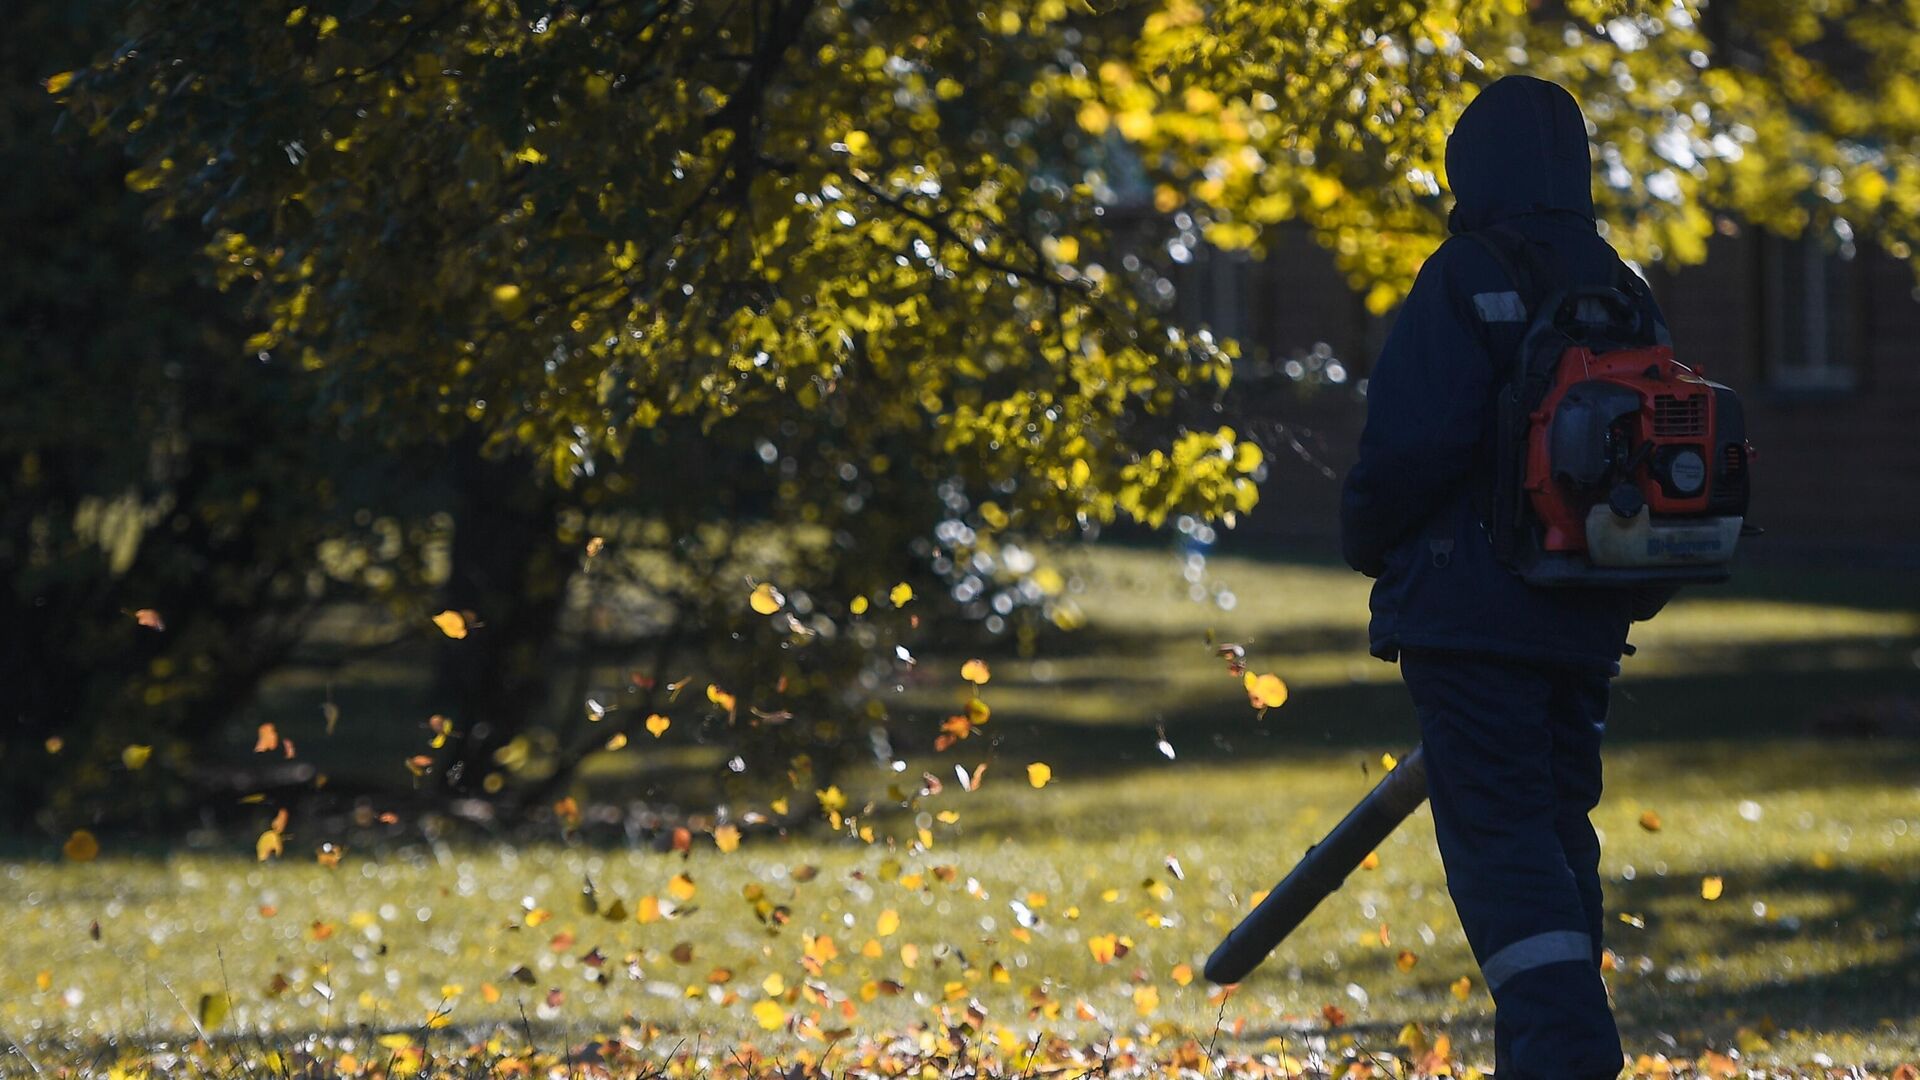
x=1722 y=729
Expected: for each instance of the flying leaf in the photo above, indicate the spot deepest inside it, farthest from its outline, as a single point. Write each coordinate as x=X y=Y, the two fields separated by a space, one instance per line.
x=59 y=81
x=900 y=594
x=150 y=619
x=1183 y=974
x=1104 y=948
x=1039 y=773
x=266 y=739
x=1146 y=999
x=1265 y=691
x=723 y=699
x=770 y=1015
x=1371 y=862
x=595 y=545
x=887 y=923
x=451 y=623
x=727 y=838
x=975 y=672
x=269 y=846
x=1650 y=821
x=1711 y=888
x=681 y=888
x=135 y=756
x=1405 y=961
x=81 y=847
x=657 y=725
x=618 y=740
x=765 y=599
x=1461 y=987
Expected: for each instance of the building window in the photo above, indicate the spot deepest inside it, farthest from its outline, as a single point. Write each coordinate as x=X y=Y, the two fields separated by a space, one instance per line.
x=1810 y=329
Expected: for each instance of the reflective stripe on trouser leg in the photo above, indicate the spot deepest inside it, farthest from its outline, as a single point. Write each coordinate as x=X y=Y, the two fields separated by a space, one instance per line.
x=1552 y=947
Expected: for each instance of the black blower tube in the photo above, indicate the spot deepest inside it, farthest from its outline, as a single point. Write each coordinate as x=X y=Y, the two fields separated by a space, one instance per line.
x=1320 y=871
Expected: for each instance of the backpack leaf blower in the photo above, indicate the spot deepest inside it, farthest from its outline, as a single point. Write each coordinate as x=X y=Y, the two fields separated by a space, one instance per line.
x=1616 y=466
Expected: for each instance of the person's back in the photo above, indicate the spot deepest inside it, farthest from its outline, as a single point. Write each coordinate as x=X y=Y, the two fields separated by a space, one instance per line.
x=1510 y=680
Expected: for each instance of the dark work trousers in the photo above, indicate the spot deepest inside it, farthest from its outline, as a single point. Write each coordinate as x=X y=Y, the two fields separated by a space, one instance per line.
x=1513 y=768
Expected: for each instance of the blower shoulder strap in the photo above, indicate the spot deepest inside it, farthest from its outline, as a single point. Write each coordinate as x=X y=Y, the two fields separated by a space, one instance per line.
x=1520 y=261
x=1498 y=497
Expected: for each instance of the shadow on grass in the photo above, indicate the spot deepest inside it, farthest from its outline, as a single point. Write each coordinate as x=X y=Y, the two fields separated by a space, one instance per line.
x=1851 y=967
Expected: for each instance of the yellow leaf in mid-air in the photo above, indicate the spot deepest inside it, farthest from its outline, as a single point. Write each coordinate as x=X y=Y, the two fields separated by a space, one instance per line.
x=1066 y=249
x=1712 y=887
x=59 y=81
x=770 y=1015
x=774 y=985
x=722 y=698
x=1371 y=862
x=727 y=837
x=81 y=847
x=900 y=594
x=269 y=846
x=647 y=910
x=1461 y=987
x=975 y=672
x=1183 y=974
x=150 y=619
x=657 y=725
x=266 y=739
x=1039 y=773
x=135 y=756
x=831 y=798
x=451 y=623
x=618 y=740
x=1388 y=761
x=681 y=888
x=1650 y=821
x=766 y=599
x=44 y=980
x=1406 y=960
x=1103 y=948
x=888 y=923
x=858 y=606
x=1146 y=999
x=1265 y=691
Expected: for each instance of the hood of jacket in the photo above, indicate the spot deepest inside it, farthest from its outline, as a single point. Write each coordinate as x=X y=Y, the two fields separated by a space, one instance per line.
x=1520 y=147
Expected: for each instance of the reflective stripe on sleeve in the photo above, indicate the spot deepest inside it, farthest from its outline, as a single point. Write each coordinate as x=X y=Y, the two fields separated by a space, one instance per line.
x=1552 y=947
x=1500 y=306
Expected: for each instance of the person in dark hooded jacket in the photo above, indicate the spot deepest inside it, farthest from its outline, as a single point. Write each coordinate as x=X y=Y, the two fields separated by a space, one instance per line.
x=1510 y=681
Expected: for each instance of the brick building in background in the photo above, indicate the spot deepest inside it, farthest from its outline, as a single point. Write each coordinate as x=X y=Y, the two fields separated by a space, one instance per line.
x=1822 y=345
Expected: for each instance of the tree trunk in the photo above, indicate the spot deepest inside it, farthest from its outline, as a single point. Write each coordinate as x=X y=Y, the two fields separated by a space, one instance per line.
x=510 y=571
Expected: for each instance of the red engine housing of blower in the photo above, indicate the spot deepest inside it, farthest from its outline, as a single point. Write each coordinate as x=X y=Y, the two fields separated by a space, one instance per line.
x=1677 y=410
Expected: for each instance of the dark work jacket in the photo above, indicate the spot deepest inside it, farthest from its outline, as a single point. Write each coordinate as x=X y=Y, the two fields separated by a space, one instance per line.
x=1412 y=507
